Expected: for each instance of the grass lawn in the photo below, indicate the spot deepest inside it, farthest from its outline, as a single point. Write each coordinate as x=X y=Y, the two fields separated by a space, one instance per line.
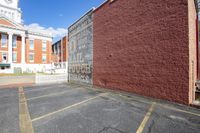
x=47 y=73
x=21 y=74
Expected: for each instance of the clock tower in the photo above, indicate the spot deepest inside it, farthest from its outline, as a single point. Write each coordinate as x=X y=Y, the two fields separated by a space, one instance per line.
x=9 y=9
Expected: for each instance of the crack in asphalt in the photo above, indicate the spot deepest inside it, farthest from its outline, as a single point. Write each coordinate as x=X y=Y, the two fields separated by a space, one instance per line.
x=151 y=126
x=107 y=128
x=158 y=115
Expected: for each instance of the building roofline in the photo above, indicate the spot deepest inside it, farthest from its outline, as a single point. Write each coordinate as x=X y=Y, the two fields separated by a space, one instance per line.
x=56 y=42
x=60 y=39
x=30 y=32
x=105 y=2
x=11 y=21
x=17 y=25
x=91 y=10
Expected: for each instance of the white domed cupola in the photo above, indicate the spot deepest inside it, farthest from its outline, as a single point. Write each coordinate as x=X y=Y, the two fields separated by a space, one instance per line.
x=10 y=9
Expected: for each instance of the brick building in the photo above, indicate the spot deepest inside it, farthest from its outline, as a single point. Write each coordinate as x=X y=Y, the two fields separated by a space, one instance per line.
x=81 y=49
x=60 y=54
x=21 y=49
x=146 y=47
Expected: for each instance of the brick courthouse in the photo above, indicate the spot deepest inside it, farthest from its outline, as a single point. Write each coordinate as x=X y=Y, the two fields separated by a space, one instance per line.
x=148 y=47
x=22 y=49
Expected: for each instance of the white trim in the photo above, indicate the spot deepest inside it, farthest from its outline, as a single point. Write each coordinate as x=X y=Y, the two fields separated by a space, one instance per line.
x=39 y=37
x=1 y=51
x=29 y=32
x=10 y=39
x=17 y=25
x=2 y=60
x=18 y=9
x=4 y=29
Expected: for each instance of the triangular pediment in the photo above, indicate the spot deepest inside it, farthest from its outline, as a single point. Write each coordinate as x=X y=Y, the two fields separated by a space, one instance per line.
x=4 y=21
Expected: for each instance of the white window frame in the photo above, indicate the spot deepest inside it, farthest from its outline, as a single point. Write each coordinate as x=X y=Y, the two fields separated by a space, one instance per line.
x=31 y=48
x=13 y=56
x=44 y=55
x=14 y=42
x=2 y=57
x=29 y=57
x=44 y=46
x=6 y=40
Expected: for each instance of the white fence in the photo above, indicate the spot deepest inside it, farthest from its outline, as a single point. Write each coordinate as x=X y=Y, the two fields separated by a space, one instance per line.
x=48 y=79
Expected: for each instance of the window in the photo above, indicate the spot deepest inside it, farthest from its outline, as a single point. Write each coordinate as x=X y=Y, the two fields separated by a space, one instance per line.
x=44 y=46
x=3 y=40
x=44 y=58
x=58 y=49
x=31 y=45
x=4 y=57
x=31 y=57
x=14 y=57
x=14 y=42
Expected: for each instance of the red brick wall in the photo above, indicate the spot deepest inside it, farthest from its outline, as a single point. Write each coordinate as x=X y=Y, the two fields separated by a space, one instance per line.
x=48 y=52
x=65 y=48
x=27 y=51
x=38 y=52
x=18 y=49
x=142 y=46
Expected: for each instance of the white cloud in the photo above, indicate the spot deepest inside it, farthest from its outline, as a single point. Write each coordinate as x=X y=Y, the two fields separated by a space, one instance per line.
x=56 y=32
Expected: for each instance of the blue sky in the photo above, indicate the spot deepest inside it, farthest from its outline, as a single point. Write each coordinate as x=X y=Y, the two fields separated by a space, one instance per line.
x=55 y=15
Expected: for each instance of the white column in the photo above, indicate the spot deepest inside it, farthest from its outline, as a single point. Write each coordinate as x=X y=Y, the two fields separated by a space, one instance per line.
x=10 y=41
x=23 y=50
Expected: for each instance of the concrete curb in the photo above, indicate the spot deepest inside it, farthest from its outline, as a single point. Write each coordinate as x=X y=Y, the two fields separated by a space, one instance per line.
x=14 y=86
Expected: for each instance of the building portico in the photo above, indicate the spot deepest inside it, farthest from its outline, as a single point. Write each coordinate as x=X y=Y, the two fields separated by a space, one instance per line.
x=23 y=49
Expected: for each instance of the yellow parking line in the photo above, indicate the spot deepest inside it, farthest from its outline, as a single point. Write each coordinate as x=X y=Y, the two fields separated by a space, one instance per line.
x=50 y=95
x=25 y=123
x=179 y=110
x=68 y=107
x=30 y=90
x=146 y=118
x=162 y=105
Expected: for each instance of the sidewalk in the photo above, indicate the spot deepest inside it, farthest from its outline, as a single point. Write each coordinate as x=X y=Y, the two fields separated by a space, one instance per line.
x=13 y=81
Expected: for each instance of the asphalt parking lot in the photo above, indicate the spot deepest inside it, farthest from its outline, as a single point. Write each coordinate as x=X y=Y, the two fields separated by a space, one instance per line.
x=70 y=108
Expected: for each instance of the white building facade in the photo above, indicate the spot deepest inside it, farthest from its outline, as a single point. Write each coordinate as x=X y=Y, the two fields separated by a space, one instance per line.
x=21 y=49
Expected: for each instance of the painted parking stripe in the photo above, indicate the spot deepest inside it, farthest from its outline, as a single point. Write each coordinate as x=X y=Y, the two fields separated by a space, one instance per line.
x=25 y=122
x=161 y=105
x=179 y=110
x=145 y=120
x=49 y=95
x=44 y=88
x=66 y=108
